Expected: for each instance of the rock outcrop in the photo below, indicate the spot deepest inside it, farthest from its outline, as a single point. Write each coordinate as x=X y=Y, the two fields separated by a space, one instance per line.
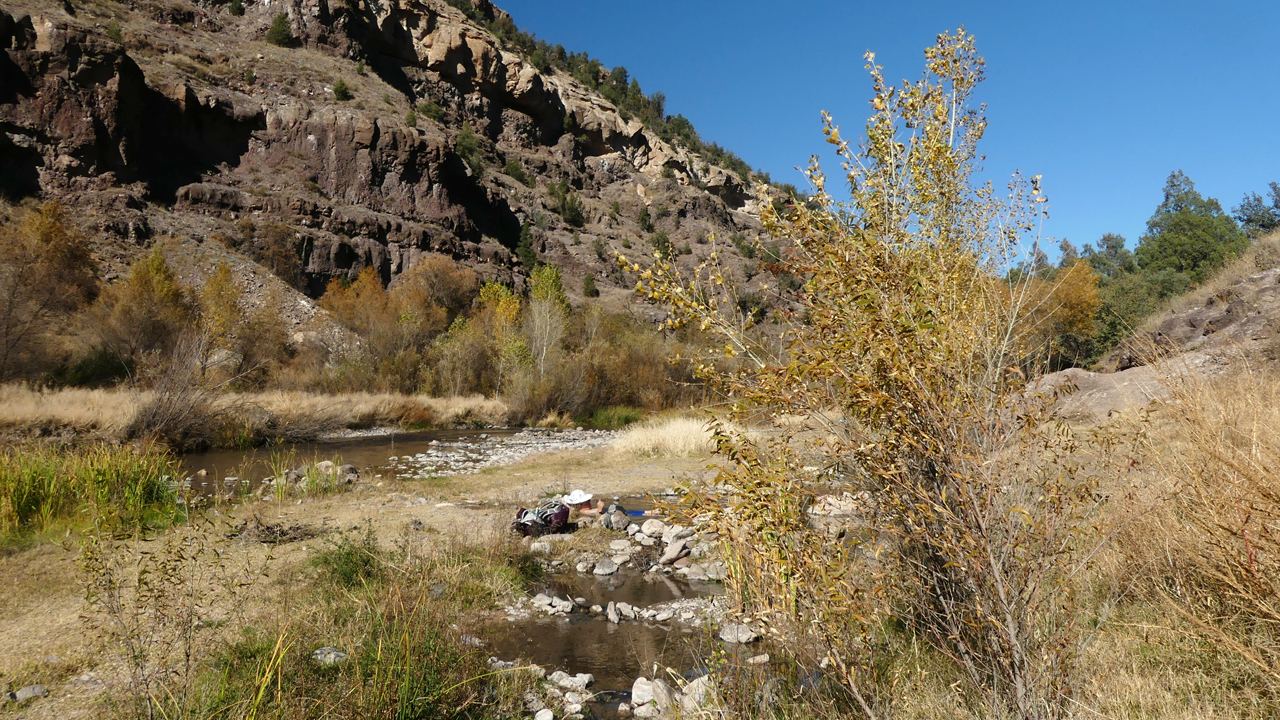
x=178 y=119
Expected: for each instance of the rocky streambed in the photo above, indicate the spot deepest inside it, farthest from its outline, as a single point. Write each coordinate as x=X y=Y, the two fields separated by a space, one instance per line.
x=628 y=626
x=382 y=457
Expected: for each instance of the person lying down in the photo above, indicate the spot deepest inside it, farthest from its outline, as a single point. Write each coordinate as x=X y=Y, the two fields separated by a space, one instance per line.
x=613 y=516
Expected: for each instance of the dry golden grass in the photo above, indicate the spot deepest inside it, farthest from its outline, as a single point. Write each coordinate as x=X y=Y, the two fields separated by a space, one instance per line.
x=676 y=437
x=78 y=409
x=110 y=411
x=370 y=409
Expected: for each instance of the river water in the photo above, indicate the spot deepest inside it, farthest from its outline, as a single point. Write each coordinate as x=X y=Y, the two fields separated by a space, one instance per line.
x=402 y=456
x=578 y=643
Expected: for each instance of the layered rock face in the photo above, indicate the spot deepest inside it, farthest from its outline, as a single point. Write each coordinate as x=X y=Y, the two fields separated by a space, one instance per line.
x=177 y=119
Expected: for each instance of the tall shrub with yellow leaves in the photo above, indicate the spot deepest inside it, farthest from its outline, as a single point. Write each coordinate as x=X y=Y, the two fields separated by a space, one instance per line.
x=970 y=515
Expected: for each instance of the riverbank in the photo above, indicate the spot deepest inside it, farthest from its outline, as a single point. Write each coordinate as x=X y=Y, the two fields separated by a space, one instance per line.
x=451 y=529
x=77 y=414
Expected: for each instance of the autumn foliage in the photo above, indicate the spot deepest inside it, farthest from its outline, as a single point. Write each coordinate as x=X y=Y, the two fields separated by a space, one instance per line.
x=902 y=384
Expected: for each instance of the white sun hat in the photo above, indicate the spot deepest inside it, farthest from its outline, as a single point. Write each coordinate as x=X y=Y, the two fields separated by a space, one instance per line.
x=577 y=497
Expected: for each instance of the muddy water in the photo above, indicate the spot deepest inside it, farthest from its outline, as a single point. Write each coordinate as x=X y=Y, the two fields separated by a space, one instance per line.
x=366 y=453
x=615 y=654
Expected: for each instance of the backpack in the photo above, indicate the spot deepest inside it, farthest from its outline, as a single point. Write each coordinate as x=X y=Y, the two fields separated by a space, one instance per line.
x=548 y=517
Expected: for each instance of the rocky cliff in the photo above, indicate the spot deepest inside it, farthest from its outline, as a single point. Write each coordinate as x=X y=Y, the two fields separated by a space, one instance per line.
x=162 y=118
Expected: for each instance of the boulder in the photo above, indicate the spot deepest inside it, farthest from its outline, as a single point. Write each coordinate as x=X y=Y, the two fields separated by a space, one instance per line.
x=641 y=692
x=674 y=552
x=28 y=692
x=737 y=634
x=566 y=681
x=540 y=548
x=619 y=520
x=606 y=567
x=699 y=695
x=667 y=698
x=325 y=467
x=612 y=613
x=653 y=528
x=620 y=545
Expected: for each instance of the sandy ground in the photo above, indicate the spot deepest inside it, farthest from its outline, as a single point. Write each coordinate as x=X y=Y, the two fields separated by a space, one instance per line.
x=42 y=601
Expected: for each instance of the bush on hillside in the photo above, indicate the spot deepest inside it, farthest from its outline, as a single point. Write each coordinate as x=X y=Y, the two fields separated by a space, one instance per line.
x=46 y=275
x=140 y=319
x=280 y=33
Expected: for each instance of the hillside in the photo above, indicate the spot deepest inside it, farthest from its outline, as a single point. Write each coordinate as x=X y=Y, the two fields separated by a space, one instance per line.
x=167 y=118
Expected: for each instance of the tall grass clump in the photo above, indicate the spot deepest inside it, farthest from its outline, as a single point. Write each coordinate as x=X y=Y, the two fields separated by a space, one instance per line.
x=972 y=509
x=678 y=437
x=42 y=486
x=399 y=614
x=613 y=417
x=1217 y=571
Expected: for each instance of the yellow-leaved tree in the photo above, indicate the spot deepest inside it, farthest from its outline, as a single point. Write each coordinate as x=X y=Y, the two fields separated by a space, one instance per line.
x=901 y=397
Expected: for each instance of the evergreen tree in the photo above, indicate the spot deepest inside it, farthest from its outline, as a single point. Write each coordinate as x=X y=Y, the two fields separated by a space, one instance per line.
x=1188 y=233
x=280 y=33
x=1256 y=216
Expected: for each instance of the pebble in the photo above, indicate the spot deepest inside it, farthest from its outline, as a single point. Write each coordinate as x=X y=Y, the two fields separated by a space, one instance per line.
x=544 y=714
x=620 y=545
x=571 y=682
x=469 y=457
x=758 y=659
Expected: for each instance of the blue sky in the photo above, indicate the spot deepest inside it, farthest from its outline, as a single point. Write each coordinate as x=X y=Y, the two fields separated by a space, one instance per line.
x=1104 y=99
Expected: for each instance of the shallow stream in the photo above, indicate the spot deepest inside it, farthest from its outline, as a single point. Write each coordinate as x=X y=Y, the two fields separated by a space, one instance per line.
x=616 y=654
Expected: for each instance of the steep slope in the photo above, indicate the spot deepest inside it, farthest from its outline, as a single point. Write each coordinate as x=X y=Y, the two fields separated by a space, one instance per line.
x=169 y=118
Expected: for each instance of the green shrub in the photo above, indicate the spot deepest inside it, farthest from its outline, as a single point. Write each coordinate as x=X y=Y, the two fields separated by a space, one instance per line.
x=250 y=77
x=341 y=92
x=237 y=7
x=351 y=563
x=470 y=148
x=661 y=244
x=411 y=119
x=598 y=246
x=516 y=171
x=430 y=109
x=613 y=417
x=281 y=33
x=98 y=368
x=589 y=288
x=113 y=32
x=360 y=69
x=524 y=248
x=646 y=222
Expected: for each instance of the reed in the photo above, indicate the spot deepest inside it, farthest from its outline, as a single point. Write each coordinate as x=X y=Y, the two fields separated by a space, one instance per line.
x=43 y=486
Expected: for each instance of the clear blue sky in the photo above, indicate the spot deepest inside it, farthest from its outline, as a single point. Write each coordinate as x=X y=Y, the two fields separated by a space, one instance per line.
x=1104 y=99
